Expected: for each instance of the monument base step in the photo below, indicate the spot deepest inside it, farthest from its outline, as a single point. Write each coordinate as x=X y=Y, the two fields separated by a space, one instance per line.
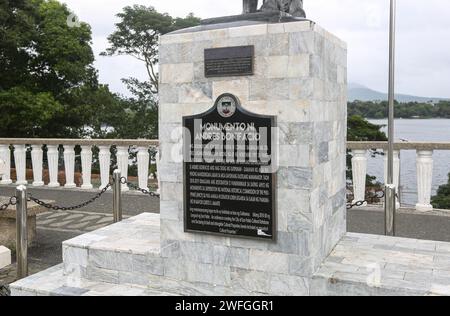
x=126 y=252
x=123 y=260
x=53 y=282
x=363 y=265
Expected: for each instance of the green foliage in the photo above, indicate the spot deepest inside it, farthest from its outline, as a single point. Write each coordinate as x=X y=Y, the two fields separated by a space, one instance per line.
x=43 y=61
x=49 y=87
x=359 y=129
x=63 y=55
x=28 y=114
x=41 y=50
x=139 y=119
x=16 y=29
x=402 y=110
x=443 y=108
x=442 y=199
x=137 y=35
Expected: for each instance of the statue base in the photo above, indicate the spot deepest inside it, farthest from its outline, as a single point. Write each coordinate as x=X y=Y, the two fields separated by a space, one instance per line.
x=265 y=16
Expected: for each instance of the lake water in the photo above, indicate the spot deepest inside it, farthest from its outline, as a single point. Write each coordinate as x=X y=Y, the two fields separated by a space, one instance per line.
x=433 y=130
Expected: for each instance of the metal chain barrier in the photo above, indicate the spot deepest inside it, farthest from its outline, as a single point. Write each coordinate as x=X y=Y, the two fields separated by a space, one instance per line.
x=22 y=197
x=12 y=202
x=371 y=199
x=137 y=188
x=69 y=208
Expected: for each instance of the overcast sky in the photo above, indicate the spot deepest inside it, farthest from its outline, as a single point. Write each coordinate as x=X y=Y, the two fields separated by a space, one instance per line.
x=423 y=38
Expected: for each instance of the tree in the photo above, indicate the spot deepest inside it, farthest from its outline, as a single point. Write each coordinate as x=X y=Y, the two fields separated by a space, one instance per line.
x=27 y=114
x=359 y=129
x=378 y=110
x=41 y=49
x=16 y=30
x=43 y=60
x=137 y=35
x=442 y=199
x=443 y=109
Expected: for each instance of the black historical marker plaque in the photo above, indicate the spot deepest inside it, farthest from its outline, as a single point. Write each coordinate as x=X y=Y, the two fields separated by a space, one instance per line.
x=229 y=178
x=229 y=61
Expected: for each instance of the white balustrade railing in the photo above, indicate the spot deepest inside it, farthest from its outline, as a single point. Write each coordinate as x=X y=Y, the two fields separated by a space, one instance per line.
x=424 y=164
x=358 y=150
x=19 y=149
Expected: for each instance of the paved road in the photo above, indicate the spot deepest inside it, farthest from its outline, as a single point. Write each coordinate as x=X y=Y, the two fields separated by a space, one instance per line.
x=133 y=203
x=54 y=226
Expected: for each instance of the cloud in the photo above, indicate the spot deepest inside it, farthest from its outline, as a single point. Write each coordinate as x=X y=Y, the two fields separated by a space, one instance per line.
x=423 y=30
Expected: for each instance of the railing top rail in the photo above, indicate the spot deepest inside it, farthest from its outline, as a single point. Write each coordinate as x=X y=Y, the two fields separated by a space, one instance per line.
x=154 y=142
x=364 y=145
x=81 y=142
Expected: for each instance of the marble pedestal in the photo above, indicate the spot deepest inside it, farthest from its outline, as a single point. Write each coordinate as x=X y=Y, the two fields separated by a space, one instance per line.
x=300 y=77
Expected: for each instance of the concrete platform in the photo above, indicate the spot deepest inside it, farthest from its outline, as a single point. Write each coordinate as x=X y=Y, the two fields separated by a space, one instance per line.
x=377 y=265
x=123 y=259
x=126 y=252
x=52 y=282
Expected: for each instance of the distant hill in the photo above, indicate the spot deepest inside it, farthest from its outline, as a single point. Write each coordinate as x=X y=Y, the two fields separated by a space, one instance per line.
x=362 y=93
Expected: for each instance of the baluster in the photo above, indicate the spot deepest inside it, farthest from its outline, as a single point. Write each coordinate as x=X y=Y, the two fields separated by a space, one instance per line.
x=86 y=167
x=36 y=161
x=424 y=180
x=104 y=157
x=122 y=163
x=359 y=171
x=396 y=172
x=143 y=159
x=5 y=155
x=69 y=164
x=20 y=159
x=52 y=157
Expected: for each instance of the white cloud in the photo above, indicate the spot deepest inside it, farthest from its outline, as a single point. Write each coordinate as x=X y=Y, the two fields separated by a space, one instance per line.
x=423 y=59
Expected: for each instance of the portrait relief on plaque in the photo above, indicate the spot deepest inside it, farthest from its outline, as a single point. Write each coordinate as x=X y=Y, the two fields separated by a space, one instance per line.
x=229 y=173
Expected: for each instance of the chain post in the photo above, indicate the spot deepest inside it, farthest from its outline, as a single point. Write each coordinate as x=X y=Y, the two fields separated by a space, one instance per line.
x=117 y=196
x=389 y=209
x=21 y=232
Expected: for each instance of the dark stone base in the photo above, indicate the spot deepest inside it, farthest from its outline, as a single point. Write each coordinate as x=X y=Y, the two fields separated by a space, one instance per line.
x=267 y=16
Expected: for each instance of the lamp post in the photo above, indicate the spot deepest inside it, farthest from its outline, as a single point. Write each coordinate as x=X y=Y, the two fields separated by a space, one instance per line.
x=390 y=190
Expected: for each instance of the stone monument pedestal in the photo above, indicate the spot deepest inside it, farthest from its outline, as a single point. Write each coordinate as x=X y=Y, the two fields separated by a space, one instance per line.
x=300 y=78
